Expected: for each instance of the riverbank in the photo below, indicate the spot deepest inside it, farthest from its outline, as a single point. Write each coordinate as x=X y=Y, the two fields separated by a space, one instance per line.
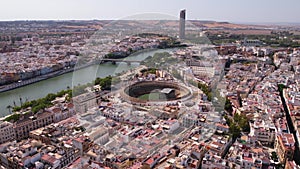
x=62 y=82
x=32 y=80
x=16 y=85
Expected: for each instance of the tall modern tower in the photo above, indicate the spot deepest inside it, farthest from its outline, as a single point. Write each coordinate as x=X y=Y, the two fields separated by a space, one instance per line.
x=182 y=24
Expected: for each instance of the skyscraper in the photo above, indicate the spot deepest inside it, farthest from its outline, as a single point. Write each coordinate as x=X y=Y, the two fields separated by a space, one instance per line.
x=182 y=24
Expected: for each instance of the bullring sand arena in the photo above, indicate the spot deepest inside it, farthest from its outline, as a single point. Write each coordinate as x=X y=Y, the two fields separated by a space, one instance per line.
x=155 y=93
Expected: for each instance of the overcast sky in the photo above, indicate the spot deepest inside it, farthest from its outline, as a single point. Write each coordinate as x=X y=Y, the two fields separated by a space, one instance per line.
x=218 y=10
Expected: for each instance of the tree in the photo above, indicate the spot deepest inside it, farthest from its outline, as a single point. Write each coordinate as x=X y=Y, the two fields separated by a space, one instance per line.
x=281 y=87
x=42 y=103
x=17 y=108
x=12 y=118
x=97 y=80
x=106 y=83
x=50 y=97
x=9 y=108
x=228 y=106
x=237 y=124
x=235 y=130
x=206 y=90
x=242 y=121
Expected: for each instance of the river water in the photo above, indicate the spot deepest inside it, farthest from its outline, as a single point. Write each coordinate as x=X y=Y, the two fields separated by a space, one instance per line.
x=82 y=76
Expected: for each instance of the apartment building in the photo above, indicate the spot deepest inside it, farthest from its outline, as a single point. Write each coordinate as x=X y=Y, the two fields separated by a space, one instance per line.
x=7 y=132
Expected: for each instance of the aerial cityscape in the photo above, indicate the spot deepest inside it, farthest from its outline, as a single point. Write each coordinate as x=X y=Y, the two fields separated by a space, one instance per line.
x=151 y=90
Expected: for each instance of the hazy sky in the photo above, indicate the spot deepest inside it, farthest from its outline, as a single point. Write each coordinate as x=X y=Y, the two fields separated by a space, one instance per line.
x=219 y=10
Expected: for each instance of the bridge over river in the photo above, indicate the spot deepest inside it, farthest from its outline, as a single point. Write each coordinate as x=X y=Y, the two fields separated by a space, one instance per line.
x=114 y=61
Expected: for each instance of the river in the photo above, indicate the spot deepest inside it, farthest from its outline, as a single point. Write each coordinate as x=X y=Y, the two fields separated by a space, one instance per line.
x=55 y=84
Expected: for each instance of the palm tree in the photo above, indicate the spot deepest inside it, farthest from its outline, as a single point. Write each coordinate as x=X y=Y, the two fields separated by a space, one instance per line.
x=9 y=108
x=21 y=102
